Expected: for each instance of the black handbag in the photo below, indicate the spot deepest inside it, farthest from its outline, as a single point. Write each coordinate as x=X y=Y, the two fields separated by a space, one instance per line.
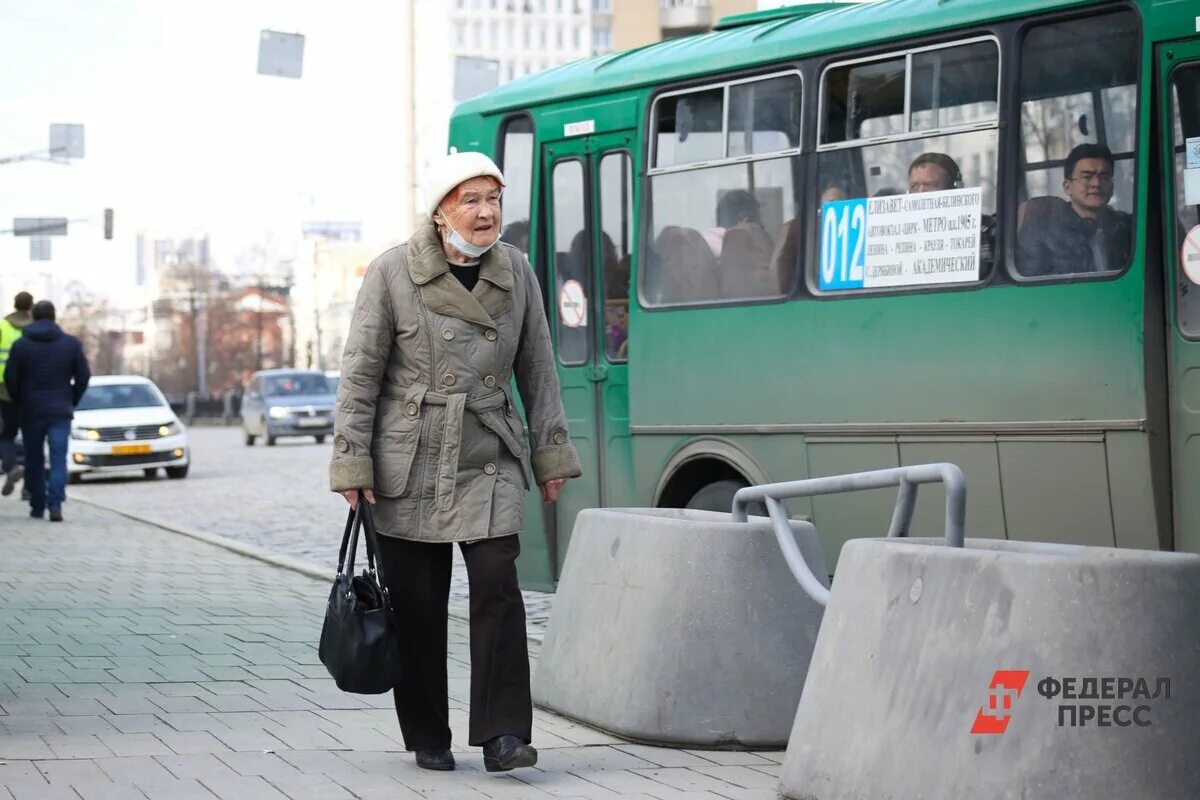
x=359 y=643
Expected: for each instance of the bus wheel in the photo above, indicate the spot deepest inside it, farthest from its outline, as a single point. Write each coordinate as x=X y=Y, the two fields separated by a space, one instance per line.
x=716 y=496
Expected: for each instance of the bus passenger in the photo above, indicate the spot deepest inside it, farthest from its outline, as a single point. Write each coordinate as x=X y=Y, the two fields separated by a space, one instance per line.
x=933 y=172
x=938 y=172
x=833 y=192
x=517 y=234
x=688 y=268
x=746 y=247
x=1084 y=233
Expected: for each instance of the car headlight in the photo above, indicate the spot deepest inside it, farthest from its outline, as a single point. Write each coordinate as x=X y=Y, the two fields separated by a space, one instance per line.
x=170 y=429
x=279 y=412
x=86 y=434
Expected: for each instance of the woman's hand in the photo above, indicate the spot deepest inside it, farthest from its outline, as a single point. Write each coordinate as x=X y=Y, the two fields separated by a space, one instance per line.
x=551 y=488
x=351 y=496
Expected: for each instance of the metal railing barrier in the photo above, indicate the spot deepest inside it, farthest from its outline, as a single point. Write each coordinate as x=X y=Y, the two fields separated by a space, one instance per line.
x=906 y=478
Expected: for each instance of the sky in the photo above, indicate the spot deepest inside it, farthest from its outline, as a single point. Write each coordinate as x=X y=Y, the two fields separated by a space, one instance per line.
x=182 y=131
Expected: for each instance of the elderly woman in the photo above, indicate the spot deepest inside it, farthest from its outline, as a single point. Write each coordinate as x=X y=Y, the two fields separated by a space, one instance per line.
x=426 y=430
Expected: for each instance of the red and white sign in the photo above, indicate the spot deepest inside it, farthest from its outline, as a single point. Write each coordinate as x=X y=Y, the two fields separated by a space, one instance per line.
x=572 y=305
x=581 y=128
x=1189 y=255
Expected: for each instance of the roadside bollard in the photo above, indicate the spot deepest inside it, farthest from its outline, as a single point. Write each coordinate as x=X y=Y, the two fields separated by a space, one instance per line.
x=673 y=626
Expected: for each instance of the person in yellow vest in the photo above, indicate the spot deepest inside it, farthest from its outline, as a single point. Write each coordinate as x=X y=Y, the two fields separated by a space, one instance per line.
x=11 y=328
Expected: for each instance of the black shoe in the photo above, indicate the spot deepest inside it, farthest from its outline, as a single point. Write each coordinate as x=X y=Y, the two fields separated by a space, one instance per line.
x=507 y=752
x=438 y=758
x=33 y=512
x=11 y=479
x=56 y=515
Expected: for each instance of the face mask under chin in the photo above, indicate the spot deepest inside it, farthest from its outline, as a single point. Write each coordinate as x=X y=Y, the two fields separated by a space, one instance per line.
x=456 y=240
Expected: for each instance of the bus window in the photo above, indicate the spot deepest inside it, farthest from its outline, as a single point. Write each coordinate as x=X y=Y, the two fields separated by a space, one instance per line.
x=1185 y=105
x=937 y=111
x=689 y=127
x=571 y=249
x=725 y=232
x=764 y=116
x=1078 y=120
x=516 y=162
x=616 y=200
x=863 y=101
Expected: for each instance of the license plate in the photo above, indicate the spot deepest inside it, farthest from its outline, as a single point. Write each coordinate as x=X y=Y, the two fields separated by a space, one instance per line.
x=130 y=449
x=312 y=422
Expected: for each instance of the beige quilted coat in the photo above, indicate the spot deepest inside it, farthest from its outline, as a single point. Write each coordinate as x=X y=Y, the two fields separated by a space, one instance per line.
x=424 y=413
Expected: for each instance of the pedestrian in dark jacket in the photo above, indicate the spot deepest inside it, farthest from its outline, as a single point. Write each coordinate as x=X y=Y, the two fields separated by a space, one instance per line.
x=46 y=376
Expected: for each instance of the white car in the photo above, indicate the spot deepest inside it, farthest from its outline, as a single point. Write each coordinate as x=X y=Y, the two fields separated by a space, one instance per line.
x=124 y=423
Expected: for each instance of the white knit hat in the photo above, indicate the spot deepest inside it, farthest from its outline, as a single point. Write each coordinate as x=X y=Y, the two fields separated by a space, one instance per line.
x=452 y=170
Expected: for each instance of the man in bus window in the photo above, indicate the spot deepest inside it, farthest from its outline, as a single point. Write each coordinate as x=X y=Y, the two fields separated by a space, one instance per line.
x=933 y=172
x=1084 y=233
x=938 y=172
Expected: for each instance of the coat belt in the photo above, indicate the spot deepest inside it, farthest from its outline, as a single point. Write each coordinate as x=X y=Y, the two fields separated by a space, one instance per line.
x=447 y=473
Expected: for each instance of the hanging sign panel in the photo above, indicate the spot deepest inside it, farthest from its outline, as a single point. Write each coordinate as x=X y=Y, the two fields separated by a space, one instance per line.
x=902 y=240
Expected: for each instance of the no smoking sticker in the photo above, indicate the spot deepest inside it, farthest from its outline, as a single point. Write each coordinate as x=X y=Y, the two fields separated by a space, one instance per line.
x=1189 y=257
x=572 y=305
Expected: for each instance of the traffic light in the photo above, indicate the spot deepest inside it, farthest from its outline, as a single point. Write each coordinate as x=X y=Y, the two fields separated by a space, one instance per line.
x=108 y=223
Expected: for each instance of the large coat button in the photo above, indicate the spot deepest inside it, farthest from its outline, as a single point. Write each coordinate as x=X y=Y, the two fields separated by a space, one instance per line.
x=447 y=334
x=411 y=409
x=489 y=381
x=489 y=468
x=342 y=445
x=490 y=335
x=559 y=438
x=448 y=379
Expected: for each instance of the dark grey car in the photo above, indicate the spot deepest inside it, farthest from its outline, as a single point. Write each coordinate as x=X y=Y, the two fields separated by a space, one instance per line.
x=287 y=402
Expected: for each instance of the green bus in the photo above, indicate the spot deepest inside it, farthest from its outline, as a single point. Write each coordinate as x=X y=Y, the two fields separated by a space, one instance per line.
x=747 y=281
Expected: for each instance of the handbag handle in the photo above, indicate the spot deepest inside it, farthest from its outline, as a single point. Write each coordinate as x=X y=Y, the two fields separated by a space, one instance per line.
x=360 y=517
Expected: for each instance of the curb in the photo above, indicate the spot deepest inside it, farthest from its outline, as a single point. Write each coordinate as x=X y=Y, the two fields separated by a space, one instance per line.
x=460 y=613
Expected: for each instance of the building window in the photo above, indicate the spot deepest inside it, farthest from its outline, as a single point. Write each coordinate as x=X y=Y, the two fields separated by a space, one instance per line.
x=598 y=6
x=576 y=37
x=558 y=36
x=601 y=40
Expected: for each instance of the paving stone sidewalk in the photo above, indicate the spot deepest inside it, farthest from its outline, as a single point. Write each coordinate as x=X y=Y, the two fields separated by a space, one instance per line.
x=138 y=663
x=302 y=519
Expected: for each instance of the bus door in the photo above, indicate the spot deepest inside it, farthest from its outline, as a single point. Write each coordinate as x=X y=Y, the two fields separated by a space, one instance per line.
x=1179 y=68
x=590 y=243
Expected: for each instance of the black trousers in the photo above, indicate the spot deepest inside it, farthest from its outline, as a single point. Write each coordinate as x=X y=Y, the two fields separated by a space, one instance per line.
x=10 y=423
x=418 y=579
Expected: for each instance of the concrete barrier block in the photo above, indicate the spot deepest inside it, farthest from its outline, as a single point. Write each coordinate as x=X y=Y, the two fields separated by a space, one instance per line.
x=915 y=632
x=674 y=626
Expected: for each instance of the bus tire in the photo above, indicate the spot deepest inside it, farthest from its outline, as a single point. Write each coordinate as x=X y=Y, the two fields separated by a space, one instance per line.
x=716 y=496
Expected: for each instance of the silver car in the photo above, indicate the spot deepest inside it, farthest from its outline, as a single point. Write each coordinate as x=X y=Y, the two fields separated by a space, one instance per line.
x=287 y=402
